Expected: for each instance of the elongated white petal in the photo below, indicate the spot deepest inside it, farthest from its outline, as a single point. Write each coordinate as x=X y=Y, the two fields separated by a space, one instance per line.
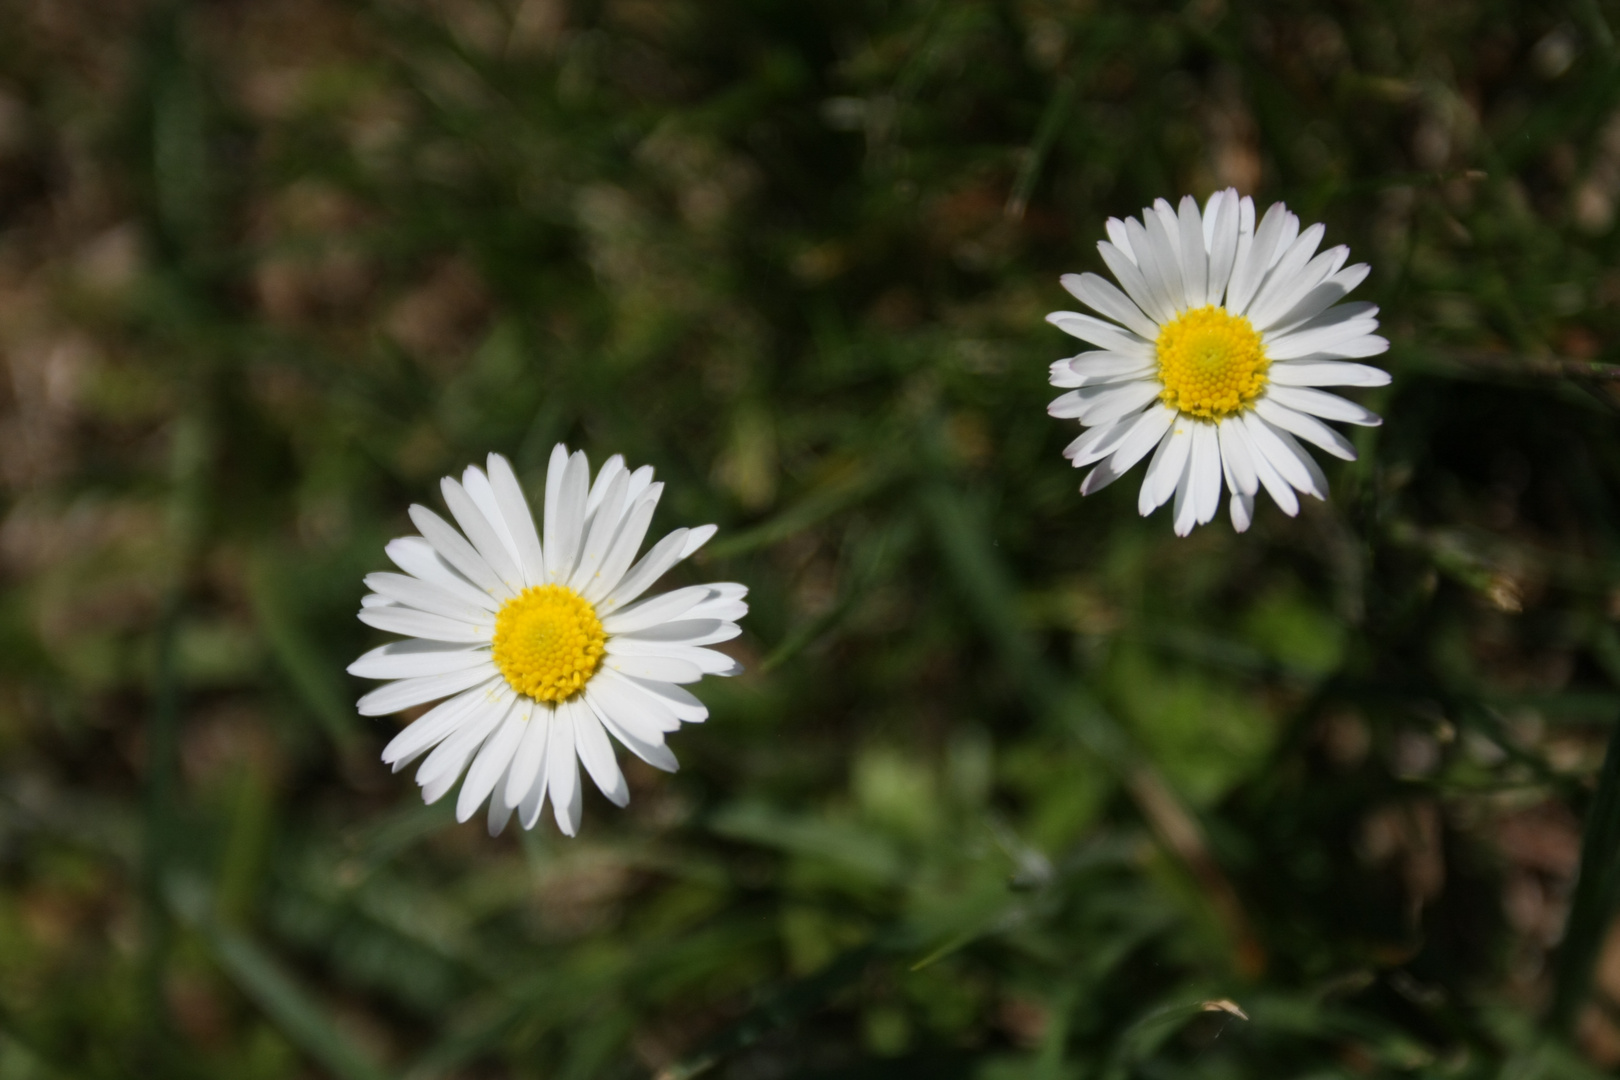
x=653 y=565
x=1183 y=511
x=1104 y=335
x=403 y=620
x=415 y=657
x=1194 y=255
x=562 y=773
x=1161 y=259
x=373 y=600
x=1305 y=427
x=637 y=707
x=1318 y=480
x=1291 y=282
x=1096 y=443
x=1321 y=339
x=438 y=774
x=1129 y=276
x=1223 y=244
x=535 y=801
x=489 y=767
x=403 y=693
x=688 y=632
x=1327 y=373
x=604 y=525
x=1320 y=403
x=1116 y=232
x=1140 y=436
x=626 y=542
x=596 y=753
x=551 y=519
x=1236 y=459
x=655 y=610
x=438 y=722
x=529 y=759
x=660 y=668
x=1241 y=507
x=460 y=554
x=1165 y=303
x=1251 y=269
x=563 y=552
x=1103 y=297
x=514 y=510
x=1204 y=472
x=1164 y=471
x=485 y=540
x=629 y=730
x=417 y=558
x=696 y=538
x=478 y=488
x=679 y=700
x=610 y=471
x=418 y=594
x=1265 y=440
x=1278 y=488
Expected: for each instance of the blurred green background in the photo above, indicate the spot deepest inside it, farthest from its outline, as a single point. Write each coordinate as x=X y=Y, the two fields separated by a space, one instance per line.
x=1017 y=785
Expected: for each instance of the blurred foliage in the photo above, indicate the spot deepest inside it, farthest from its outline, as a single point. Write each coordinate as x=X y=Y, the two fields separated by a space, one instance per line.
x=1017 y=785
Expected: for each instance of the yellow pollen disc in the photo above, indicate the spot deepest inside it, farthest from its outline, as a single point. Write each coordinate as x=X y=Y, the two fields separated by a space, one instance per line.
x=1211 y=363
x=548 y=642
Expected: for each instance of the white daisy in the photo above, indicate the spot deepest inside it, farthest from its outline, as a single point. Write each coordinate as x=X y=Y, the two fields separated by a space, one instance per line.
x=1213 y=356
x=542 y=649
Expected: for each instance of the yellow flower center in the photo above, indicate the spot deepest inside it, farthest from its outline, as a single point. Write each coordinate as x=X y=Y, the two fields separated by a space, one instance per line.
x=1211 y=363
x=548 y=642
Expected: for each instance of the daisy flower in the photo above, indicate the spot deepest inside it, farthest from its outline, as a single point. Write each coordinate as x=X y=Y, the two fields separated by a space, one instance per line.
x=1211 y=357
x=541 y=642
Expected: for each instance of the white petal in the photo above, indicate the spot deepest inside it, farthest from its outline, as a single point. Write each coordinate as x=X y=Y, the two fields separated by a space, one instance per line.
x=1236 y=459
x=609 y=472
x=1162 y=260
x=562 y=774
x=696 y=538
x=1265 y=440
x=1104 y=335
x=478 y=487
x=402 y=620
x=414 y=657
x=1194 y=256
x=1184 y=511
x=1096 y=443
x=648 y=746
x=435 y=724
x=1223 y=245
x=439 y=773
x=514 y=510
x=1138 y=436
x=679 y=700
x=597 y=754
x=626 y=542
x=373 y=600
x=418 y=594
x=491 y=764
x=551 y=520
x=535 y=801
x=1116 y=233
x=1282 y=287
x=1242 y=510
x=1095 y=405
x=653 y=565
x=1327 y=373
x=1101 y=367
x=637 y=708
x=1204 y=472
x=1162 y=306
x=417 y=558
x=485 y=540
x=461 y=555
x=499 y=812
x=1164 y=471
x=1319 y=484
x=688 y=632
x=709 y=661
x=1319 y=339
x=1306 y=427
x=403 y=693
x=660 y=668
x=563 y=551
x=604 y=524
x=1130 y=278
x=529 y=759
x=1251 y=268
x=1285 y=241
x=1319 y=300
x=1281 y=493
x=1103 y=297
x=655 y=609
x=1320 y=403
x=725 y=602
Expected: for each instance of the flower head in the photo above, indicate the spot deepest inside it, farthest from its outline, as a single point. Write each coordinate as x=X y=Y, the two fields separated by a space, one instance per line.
x=540 y=641
x=1213 y=355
